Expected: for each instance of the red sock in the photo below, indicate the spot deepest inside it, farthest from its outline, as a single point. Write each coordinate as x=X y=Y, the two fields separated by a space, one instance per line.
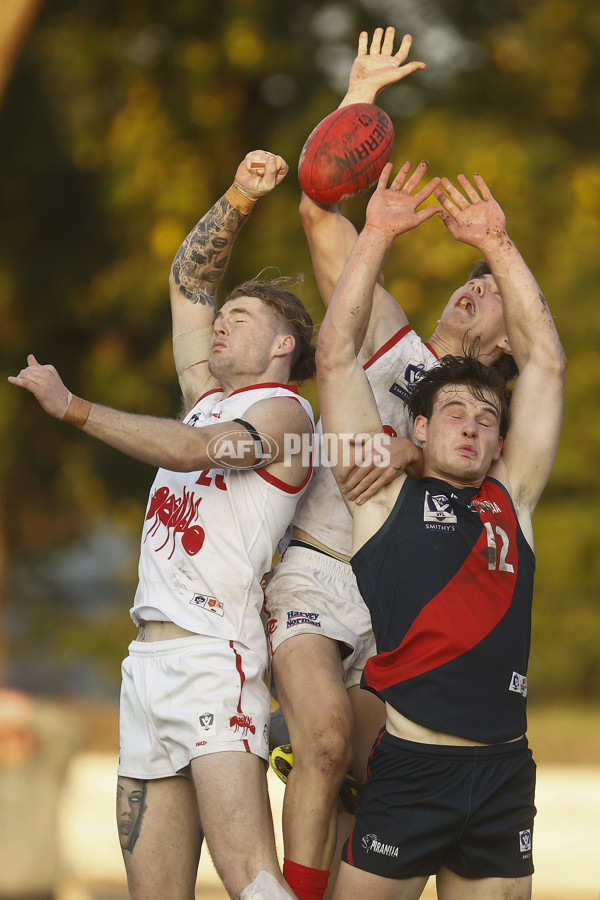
x=306 y=883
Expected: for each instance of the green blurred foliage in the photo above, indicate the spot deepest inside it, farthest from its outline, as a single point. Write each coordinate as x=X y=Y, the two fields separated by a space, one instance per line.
x=121 y=126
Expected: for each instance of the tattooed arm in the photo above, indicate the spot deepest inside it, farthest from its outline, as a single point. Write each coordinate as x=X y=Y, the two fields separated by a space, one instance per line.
x=200 y=264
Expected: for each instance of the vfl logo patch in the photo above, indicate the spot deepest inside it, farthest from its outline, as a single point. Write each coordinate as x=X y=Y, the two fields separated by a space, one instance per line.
x=206 y=723
x=525 y=841
x=302 y=618
x=372 y=842
x=518 y=684
x=195 y=418
x=404 y=385
x=437 y=508
x=209 y=603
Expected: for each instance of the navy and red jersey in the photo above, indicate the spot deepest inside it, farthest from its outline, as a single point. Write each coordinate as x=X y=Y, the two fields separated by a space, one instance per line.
x=448 y=580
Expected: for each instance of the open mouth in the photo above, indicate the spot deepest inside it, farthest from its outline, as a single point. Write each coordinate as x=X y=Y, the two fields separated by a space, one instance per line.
x=465 y=302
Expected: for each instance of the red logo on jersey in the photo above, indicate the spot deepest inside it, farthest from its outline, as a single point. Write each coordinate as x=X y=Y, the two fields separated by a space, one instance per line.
x=178 y=515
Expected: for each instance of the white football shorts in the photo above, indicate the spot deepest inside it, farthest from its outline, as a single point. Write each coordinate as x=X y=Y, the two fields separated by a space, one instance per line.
x=312 y=593
x=189 y=697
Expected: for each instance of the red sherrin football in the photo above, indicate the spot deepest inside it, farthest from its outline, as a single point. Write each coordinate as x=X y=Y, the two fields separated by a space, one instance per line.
x=344 y=155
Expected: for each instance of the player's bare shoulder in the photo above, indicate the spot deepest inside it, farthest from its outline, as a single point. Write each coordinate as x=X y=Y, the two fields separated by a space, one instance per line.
x=284 y=425
x=281 y=414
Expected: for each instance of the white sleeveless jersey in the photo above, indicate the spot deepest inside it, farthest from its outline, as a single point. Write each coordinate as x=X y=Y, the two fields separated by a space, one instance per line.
x=209 y=537
x=392 y=371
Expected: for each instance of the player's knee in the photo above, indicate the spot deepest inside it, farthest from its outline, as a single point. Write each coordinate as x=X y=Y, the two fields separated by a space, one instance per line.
x=327 y=750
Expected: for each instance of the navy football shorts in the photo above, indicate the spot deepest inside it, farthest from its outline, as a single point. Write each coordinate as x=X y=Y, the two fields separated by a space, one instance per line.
x=425 y=806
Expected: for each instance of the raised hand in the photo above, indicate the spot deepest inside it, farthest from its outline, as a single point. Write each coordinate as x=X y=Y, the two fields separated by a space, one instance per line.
x=259 y=172
x=377 y=66
x=472 y=217
x=45 y=384
x=393 y=209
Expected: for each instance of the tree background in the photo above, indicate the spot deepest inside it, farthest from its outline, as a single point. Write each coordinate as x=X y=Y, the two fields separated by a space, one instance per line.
x=121 y=123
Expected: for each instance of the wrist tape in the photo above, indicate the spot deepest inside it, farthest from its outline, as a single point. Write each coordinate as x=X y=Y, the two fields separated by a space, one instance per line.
x=239 y=200
x=77 y=412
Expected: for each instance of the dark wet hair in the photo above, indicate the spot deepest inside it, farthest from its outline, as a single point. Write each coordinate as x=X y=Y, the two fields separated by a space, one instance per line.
x=481 y=381
x=291 y=315
x=480 y=269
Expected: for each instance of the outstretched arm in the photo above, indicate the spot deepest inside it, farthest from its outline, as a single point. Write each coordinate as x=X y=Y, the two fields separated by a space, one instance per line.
x=346 y=400
x=391 y=211
x=196 y=271
x=331 y=236
x=474 y=217
x=173 y=445
x=200 y=264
